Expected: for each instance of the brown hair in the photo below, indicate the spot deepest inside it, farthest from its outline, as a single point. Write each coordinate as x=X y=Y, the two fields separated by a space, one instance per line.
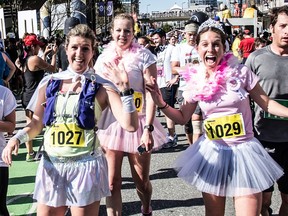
x=275 y=12
x=213 y=29
x=81 y=30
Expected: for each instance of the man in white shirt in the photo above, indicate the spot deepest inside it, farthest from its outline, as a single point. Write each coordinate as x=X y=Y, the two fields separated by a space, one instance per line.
x=167 y=82
x=186 y=53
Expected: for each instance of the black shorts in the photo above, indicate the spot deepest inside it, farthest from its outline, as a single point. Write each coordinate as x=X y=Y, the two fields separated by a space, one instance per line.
x=169 y=94
x=279 y=152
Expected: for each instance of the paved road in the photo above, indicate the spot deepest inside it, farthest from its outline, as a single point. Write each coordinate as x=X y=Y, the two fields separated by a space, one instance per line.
x=171 y=196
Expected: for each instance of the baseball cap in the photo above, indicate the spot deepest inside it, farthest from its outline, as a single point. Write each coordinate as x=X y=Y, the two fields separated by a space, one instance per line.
x=31 y=39
x=191 y=27
x=70 y=23
x=246 y=31
x=160 y=32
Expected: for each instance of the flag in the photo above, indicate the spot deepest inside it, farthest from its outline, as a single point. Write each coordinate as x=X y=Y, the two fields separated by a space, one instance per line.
x=101 y=7
x=109 y=8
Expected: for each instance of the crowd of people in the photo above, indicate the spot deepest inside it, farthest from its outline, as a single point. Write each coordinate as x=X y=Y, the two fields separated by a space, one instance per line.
x=99 y=104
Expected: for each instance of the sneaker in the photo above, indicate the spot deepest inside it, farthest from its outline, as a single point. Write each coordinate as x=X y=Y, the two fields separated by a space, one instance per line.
x=30 y=157
x=146 y=214
x=171 y=142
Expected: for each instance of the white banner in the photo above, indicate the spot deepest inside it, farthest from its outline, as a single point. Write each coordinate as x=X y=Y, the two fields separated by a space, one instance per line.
x=27 y=22
x=2 y=24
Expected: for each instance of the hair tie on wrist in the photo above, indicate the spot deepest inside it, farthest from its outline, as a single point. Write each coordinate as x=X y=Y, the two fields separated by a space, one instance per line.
x=164 y=107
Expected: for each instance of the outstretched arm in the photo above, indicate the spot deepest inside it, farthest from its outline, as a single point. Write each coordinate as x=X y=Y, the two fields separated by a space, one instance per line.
x=180 y=116
x=28 y=132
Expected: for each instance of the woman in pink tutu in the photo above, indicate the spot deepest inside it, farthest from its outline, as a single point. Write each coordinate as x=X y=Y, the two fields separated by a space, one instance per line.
x=227 y=160
x=140 y=65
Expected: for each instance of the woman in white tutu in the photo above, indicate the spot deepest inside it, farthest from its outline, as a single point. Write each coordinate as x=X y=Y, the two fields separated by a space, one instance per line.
x=73 y=170
x=227 y=161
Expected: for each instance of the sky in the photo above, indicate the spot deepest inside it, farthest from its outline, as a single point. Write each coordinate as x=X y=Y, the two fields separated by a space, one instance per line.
x=160 y=5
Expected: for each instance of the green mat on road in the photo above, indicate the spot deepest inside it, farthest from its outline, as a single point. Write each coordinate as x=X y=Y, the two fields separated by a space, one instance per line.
x=21 y=183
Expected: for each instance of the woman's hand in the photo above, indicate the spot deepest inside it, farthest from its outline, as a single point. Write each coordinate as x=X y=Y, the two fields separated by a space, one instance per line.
x=156 y=95
x=117 y=74
x=12 y=147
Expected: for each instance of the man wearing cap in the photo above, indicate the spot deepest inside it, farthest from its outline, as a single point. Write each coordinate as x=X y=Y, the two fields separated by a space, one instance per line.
x=183 y=54
x=246 y=45
x=167 y=82
x=62 y=61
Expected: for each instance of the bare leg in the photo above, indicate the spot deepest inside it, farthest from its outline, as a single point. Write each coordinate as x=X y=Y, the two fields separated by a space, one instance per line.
x=266 y=202
x=89 y=210
x=214 y=205
x=197 y=126
x=44 y=210
x=140 y=168
x=249 y=205
x=114 y=202
x=170 y=126
x=29 y=145
x=284 y=205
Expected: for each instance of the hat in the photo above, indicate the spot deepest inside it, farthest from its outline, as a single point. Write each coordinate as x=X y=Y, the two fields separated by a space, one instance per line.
x=32 y=39
x=217 y=18
x=160 y=32
x=199 y=17
x=70 y=23
x=191 y=27
x=247 y=31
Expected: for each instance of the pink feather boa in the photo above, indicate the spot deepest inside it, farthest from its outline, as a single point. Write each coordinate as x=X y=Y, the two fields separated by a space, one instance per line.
x=201 y=88
x=114 y=54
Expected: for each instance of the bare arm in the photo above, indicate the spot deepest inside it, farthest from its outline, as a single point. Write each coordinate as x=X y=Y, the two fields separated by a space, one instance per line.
x=180 y=116
x=33 y=129
x=8 y=123
x=129 y=121
x=36 y=63
x=107 y=96
x=176 y=69
x=151 y=71
x=11 y=67
x=267 y=104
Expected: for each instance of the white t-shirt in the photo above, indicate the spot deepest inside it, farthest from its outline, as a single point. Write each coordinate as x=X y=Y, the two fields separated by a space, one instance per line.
x=7 y=105
x=164 y=69
x=184 y=53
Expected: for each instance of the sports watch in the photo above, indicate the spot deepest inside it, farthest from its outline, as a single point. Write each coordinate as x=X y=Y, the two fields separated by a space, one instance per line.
x=150 y=127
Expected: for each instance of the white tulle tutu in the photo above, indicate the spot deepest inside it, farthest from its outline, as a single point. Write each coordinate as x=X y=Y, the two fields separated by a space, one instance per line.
x=78 y=181
x=237 y=170
x=114 y=137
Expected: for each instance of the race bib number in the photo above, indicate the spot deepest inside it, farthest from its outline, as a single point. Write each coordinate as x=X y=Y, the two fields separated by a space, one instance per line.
x=224 y=127
x=68 y=135
x=270 y=116
x=138 y=100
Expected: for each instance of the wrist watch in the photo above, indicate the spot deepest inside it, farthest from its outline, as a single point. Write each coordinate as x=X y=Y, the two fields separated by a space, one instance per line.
x=150 y=127
x=127 y=92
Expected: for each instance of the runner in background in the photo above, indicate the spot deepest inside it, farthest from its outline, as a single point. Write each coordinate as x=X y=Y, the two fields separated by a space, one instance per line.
x=270 y=64
x=7 y=124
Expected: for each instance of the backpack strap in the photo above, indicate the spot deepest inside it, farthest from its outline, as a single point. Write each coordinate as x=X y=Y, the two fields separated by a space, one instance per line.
x=53 y=87
x=86 y=116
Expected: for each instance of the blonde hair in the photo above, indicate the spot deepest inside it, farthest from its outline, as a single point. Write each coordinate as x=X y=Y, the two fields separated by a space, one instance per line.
x=124 y=16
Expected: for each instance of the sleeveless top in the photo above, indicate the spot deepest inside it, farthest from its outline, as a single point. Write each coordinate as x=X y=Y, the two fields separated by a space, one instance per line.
x=31 y=81
x=64 y=138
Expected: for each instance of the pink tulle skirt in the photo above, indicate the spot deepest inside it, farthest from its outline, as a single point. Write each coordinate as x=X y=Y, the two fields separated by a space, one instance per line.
x=116 y=138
